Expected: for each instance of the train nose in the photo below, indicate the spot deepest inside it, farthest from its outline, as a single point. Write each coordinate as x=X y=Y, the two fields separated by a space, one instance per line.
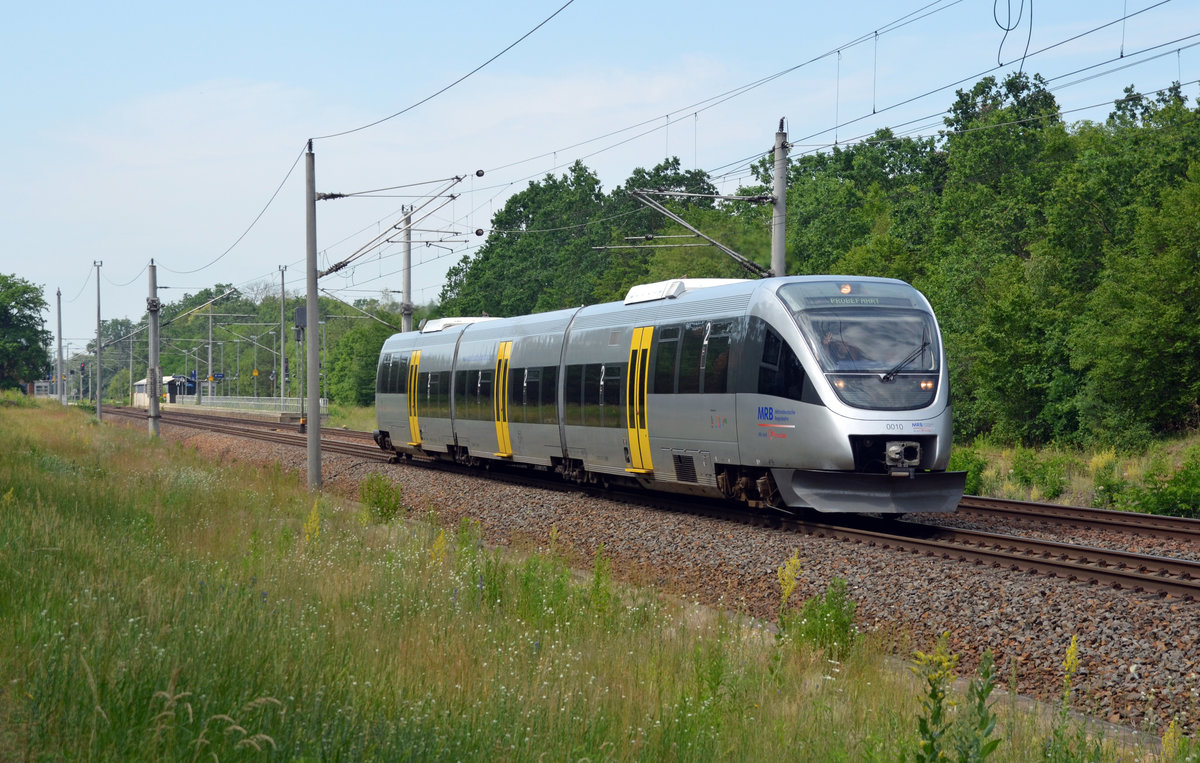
x=902 y=453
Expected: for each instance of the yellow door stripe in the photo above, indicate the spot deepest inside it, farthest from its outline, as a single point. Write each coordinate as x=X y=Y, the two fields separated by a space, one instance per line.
x=635 y=401
x=414 y=427
x=500 y=401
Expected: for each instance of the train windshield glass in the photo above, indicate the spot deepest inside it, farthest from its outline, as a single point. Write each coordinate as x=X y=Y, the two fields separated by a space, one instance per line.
x=865 y=327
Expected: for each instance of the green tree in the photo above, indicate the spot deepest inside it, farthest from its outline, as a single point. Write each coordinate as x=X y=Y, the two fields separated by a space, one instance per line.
x=539 y=255
x=1004 y=144
x=23 y=340
x=1137 y=343
x=354 y=359
x=116 y=389
x=546 y=250
x=882 y=252
x=627 y=263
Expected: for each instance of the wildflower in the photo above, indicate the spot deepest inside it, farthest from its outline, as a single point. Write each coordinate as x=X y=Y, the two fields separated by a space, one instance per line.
x=789 y=576
x=437 y=552
x=312 y=525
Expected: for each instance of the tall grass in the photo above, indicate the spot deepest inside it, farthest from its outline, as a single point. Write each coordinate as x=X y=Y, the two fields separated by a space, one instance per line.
x=360 y=418
x=157 y=608
x=1162 y=479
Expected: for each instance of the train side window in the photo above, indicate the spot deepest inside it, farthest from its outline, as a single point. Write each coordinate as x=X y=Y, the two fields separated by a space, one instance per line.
x=666 y=354
x=523 y=395
x=573 y=396
x=399 y=380
x=780 y=373
x=612 y=410
x=462 y=405
x=483 y=395
x=716 y=358
x=549 y=396
x=770 y=381
x=422 y=392
x=591 y=395
x=437 y=398
x=518 y=382
x=381 y=375
x=691 y=358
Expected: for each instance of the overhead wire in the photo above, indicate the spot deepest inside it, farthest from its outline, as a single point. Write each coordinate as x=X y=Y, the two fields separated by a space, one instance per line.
x=428 y=98
x=715 y=100
x=500 y=188
x=718 y=99
x=977 y=76
x=249 y=227
x=711 y=102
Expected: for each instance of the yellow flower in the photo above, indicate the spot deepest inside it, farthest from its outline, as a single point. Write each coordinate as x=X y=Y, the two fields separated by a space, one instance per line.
x=312 y=525
x=789 y=576
x=1071 y=664
x=1171 y=740
x=437 y=552
x=938 y=668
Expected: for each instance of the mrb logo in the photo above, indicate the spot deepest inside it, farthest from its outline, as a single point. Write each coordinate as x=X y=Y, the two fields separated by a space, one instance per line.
x=766 y=413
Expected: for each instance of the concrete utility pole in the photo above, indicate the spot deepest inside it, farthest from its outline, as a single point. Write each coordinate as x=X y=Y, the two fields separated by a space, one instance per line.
x=779 y=206
x=153 y=372
x=313 y=364
x=406 y=304
x=60 y=382
x=210 y=374
x=99 y=343
x=282 y=342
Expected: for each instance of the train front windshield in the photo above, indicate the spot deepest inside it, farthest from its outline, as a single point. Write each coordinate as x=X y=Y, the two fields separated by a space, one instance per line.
x=876 y=343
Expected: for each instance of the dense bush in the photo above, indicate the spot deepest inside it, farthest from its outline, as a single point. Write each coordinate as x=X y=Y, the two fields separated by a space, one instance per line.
x=1166 y=490
x=827 y=620
x=969 y=461
x=381 y=496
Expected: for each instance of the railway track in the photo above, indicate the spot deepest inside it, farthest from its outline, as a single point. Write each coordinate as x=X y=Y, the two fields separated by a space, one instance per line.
x=1140 y=573
x=1126 y=521
x=342 y=441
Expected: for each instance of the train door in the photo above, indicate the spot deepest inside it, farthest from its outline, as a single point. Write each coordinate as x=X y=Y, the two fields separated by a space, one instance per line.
x=635 y=401
x=500 y=401
x=414 y=428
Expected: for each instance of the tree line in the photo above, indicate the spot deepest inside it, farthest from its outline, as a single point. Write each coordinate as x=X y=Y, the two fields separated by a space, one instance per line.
x=246 y=332
x=1063 y=261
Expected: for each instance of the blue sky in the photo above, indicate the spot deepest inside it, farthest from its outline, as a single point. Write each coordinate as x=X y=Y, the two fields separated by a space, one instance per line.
x=137 y=130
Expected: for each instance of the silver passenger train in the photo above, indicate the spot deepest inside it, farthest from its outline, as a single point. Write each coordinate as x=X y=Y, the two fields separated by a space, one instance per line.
x=828 y=392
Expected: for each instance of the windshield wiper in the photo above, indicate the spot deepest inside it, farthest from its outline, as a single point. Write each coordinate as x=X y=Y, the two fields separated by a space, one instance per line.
x=917 y=351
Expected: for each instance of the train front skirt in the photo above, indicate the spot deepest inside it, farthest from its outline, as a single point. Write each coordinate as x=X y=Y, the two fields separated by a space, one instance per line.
x=833 y=491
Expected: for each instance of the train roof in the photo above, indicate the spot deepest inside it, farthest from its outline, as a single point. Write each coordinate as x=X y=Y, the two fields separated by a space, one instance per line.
x=441 y=324
x=649 y=292
x=676 y=298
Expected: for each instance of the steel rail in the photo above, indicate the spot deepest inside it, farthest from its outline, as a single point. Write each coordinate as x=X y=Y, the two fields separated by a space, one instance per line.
x=1147 y=524
x=1137 y=572
x=265 y=431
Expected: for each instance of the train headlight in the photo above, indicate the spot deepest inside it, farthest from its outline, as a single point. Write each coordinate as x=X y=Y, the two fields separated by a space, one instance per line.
x=838 y=383
x=927 y=385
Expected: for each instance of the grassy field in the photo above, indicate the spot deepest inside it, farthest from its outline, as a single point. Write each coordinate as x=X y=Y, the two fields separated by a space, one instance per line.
x=155 y=607
x=1162 y=479
x=354 y=417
